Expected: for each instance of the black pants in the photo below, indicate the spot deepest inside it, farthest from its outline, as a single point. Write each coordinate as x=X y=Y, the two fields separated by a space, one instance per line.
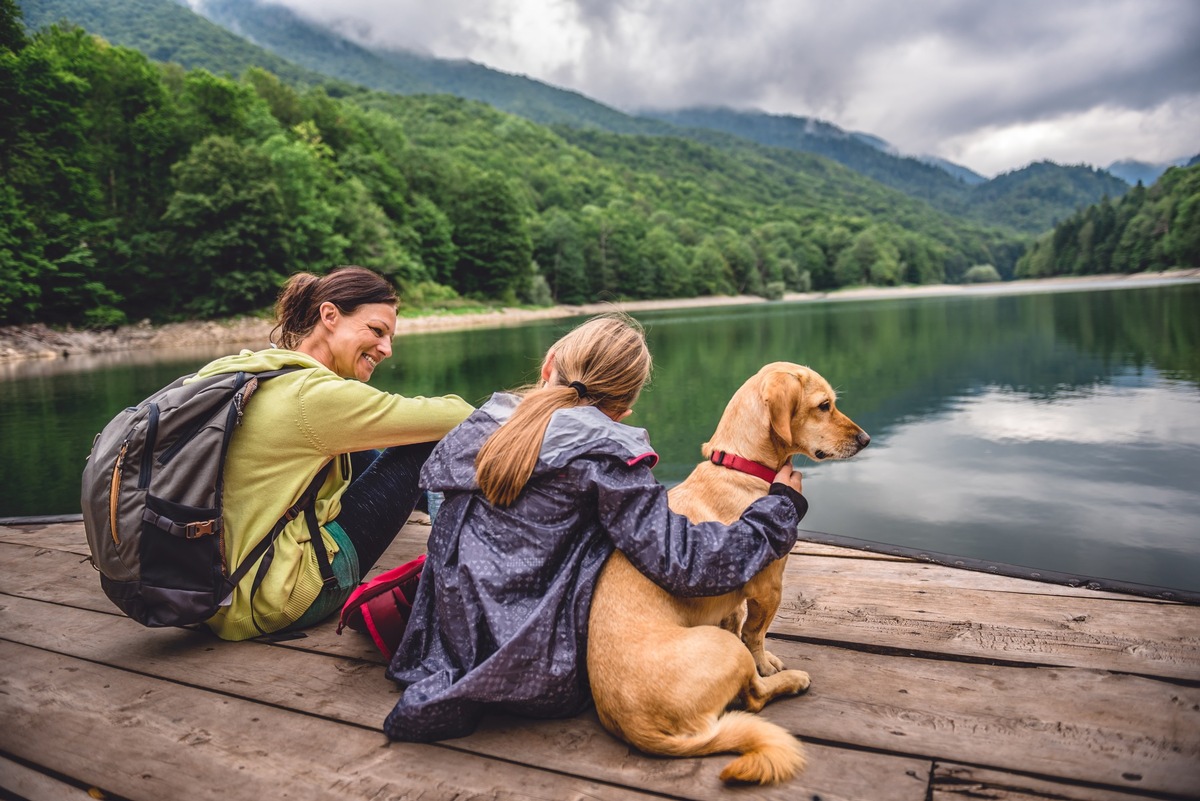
x=381 y=496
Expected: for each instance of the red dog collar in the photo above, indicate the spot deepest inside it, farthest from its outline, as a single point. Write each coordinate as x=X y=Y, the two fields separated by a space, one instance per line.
x=743 y=465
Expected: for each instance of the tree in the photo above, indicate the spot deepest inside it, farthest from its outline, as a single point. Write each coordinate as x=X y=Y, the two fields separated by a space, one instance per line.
x=229 y=233
x=710 y=273
x=870 y=259
x=12 y=32
x=21 y=260
x=492 y=240
x=558 y=250
x=981 y=274
x=281 y=99
x=431 y=238
x=301 y=168
x=674 y=278
x=49 y=213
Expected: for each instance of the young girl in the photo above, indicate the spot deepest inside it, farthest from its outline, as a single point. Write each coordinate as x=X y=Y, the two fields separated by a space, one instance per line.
x=540 y=487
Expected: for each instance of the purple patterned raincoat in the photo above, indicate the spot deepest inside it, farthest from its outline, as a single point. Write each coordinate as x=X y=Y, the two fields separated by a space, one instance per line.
x=501 y=614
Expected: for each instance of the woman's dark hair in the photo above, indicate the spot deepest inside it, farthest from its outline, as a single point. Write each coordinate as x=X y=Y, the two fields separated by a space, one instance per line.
x=297 y=309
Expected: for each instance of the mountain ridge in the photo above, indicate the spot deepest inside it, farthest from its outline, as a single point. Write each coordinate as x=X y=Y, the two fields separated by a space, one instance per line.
x=300 y=50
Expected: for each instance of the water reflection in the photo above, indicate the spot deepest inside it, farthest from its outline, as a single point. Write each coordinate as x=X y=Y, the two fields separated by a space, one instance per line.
x=1100 y=483
x=1059 y=431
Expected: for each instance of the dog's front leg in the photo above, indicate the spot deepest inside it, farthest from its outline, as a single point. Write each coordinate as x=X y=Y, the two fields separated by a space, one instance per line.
x=764 y=593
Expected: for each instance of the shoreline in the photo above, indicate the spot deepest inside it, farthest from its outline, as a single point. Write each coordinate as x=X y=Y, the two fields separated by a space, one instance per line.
x=40 y=342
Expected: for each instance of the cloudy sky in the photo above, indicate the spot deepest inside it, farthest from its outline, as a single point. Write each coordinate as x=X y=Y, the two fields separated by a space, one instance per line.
x=990 y=84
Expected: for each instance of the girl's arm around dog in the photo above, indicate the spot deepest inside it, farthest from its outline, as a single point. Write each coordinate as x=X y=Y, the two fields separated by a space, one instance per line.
x=687 y=559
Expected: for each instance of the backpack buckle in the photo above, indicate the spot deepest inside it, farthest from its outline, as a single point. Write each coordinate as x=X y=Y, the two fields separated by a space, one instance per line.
x=201 y=528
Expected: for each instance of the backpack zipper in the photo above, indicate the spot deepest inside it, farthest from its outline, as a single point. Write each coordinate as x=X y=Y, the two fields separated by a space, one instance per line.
x=114 y=493
x=148 y=447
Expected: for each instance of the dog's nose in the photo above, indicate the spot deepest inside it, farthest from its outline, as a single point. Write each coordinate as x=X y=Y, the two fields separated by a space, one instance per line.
x=864 y=439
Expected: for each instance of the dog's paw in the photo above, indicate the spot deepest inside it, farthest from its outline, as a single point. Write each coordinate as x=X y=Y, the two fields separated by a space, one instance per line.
x=768 y=664
x=798 y=681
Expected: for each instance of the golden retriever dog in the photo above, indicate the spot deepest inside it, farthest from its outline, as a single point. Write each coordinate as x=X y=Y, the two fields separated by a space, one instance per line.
x=665 y=670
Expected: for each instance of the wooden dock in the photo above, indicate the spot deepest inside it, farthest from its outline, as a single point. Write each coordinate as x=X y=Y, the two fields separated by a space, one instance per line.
x=929 y=683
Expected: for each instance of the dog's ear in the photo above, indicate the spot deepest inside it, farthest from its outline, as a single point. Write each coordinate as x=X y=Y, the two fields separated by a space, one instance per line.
x=782 y=392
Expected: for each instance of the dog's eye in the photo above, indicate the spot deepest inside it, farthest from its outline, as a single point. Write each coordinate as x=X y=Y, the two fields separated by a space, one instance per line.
x=825 y=406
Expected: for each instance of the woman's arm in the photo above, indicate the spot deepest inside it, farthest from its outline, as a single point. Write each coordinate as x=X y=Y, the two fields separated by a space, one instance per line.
x=343 y=416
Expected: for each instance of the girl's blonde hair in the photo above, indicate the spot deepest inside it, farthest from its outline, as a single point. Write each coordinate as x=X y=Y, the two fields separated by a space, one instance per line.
x=605 y=358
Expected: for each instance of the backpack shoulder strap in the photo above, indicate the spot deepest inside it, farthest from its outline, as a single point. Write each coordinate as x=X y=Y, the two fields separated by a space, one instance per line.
x=305 y=504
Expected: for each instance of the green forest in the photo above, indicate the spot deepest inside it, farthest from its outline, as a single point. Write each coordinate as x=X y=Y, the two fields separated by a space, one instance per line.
x=1153 y=228
x=135 y=189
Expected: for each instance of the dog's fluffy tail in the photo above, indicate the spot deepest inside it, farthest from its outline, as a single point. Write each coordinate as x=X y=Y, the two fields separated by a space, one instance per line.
x=769 y=753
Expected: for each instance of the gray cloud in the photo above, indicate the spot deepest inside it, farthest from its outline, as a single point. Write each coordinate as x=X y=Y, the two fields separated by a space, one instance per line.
x=998 y=83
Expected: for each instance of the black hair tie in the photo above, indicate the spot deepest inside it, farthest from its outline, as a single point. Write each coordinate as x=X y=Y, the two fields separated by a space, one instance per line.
x=578 y=387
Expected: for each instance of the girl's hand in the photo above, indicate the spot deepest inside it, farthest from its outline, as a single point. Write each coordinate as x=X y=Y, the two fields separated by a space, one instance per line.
x=792 y=478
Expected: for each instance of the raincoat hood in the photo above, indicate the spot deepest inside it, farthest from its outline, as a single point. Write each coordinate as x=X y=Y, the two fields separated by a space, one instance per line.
x=571 y=433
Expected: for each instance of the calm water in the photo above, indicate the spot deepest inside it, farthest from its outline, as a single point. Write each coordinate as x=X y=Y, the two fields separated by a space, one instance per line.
x=1059 y=431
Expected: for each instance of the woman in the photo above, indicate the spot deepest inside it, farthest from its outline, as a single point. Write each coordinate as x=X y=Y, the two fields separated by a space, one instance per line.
x=539 y=490
x=335 y=328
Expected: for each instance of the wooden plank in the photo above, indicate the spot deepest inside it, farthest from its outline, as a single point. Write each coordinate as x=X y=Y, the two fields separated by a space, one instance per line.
x=411 y=541
x=953 y=782
x=358 y=693
x=1079 y=724
x=1076 y=723
x=917 y=575
x=932 y=609
x=802 y=548
x=32 y=785
x=1117 y=729
x=143 y=738
x=59 y=536
x=863 y=602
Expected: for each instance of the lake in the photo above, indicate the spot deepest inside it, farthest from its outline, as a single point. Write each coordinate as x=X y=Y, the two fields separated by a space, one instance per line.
x=1058 y=430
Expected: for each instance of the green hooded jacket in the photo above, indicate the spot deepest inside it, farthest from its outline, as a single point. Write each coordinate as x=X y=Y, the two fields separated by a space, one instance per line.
x=294 y=425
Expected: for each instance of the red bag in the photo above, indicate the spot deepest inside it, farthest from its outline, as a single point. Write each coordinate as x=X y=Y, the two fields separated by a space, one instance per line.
x=380 y=607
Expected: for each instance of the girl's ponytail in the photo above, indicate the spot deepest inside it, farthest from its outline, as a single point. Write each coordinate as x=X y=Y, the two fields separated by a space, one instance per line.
x=604 y=363
x=506 y=460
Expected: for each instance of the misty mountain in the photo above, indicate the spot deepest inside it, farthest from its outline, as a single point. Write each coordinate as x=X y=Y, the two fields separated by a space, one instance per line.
x=280 y=31
x=236 y=34
x=165 y=30
x=964 y=174
x=1131 y=171
x=864 y=153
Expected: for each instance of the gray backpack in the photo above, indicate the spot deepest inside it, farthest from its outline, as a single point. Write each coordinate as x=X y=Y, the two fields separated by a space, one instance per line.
x=151 y=499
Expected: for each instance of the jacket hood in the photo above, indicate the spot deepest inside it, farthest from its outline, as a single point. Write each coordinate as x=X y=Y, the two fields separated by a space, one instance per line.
x=571 y=432
x=258 y=361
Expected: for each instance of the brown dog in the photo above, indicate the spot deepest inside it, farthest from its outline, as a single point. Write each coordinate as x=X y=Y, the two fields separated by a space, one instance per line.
x=663 y=669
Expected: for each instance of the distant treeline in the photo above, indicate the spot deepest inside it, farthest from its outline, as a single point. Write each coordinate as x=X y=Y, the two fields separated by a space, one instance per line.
x=1146 y=229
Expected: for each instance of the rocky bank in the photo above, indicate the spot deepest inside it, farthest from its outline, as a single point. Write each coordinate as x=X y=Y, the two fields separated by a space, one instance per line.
x=38 y=341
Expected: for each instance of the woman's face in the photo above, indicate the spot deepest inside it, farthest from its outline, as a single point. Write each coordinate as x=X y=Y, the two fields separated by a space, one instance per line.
x=359 y=341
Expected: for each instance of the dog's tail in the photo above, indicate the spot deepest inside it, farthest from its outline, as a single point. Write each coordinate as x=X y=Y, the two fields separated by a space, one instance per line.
x=769 y=753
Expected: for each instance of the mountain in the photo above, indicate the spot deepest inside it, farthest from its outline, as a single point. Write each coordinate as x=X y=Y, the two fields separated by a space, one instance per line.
x=286 y=34
x=224 y=42
x=1031 y=199
x=862 y=153
x=1028 y=197
x=964 y=174
x=1131 y=171
x=166 y=30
